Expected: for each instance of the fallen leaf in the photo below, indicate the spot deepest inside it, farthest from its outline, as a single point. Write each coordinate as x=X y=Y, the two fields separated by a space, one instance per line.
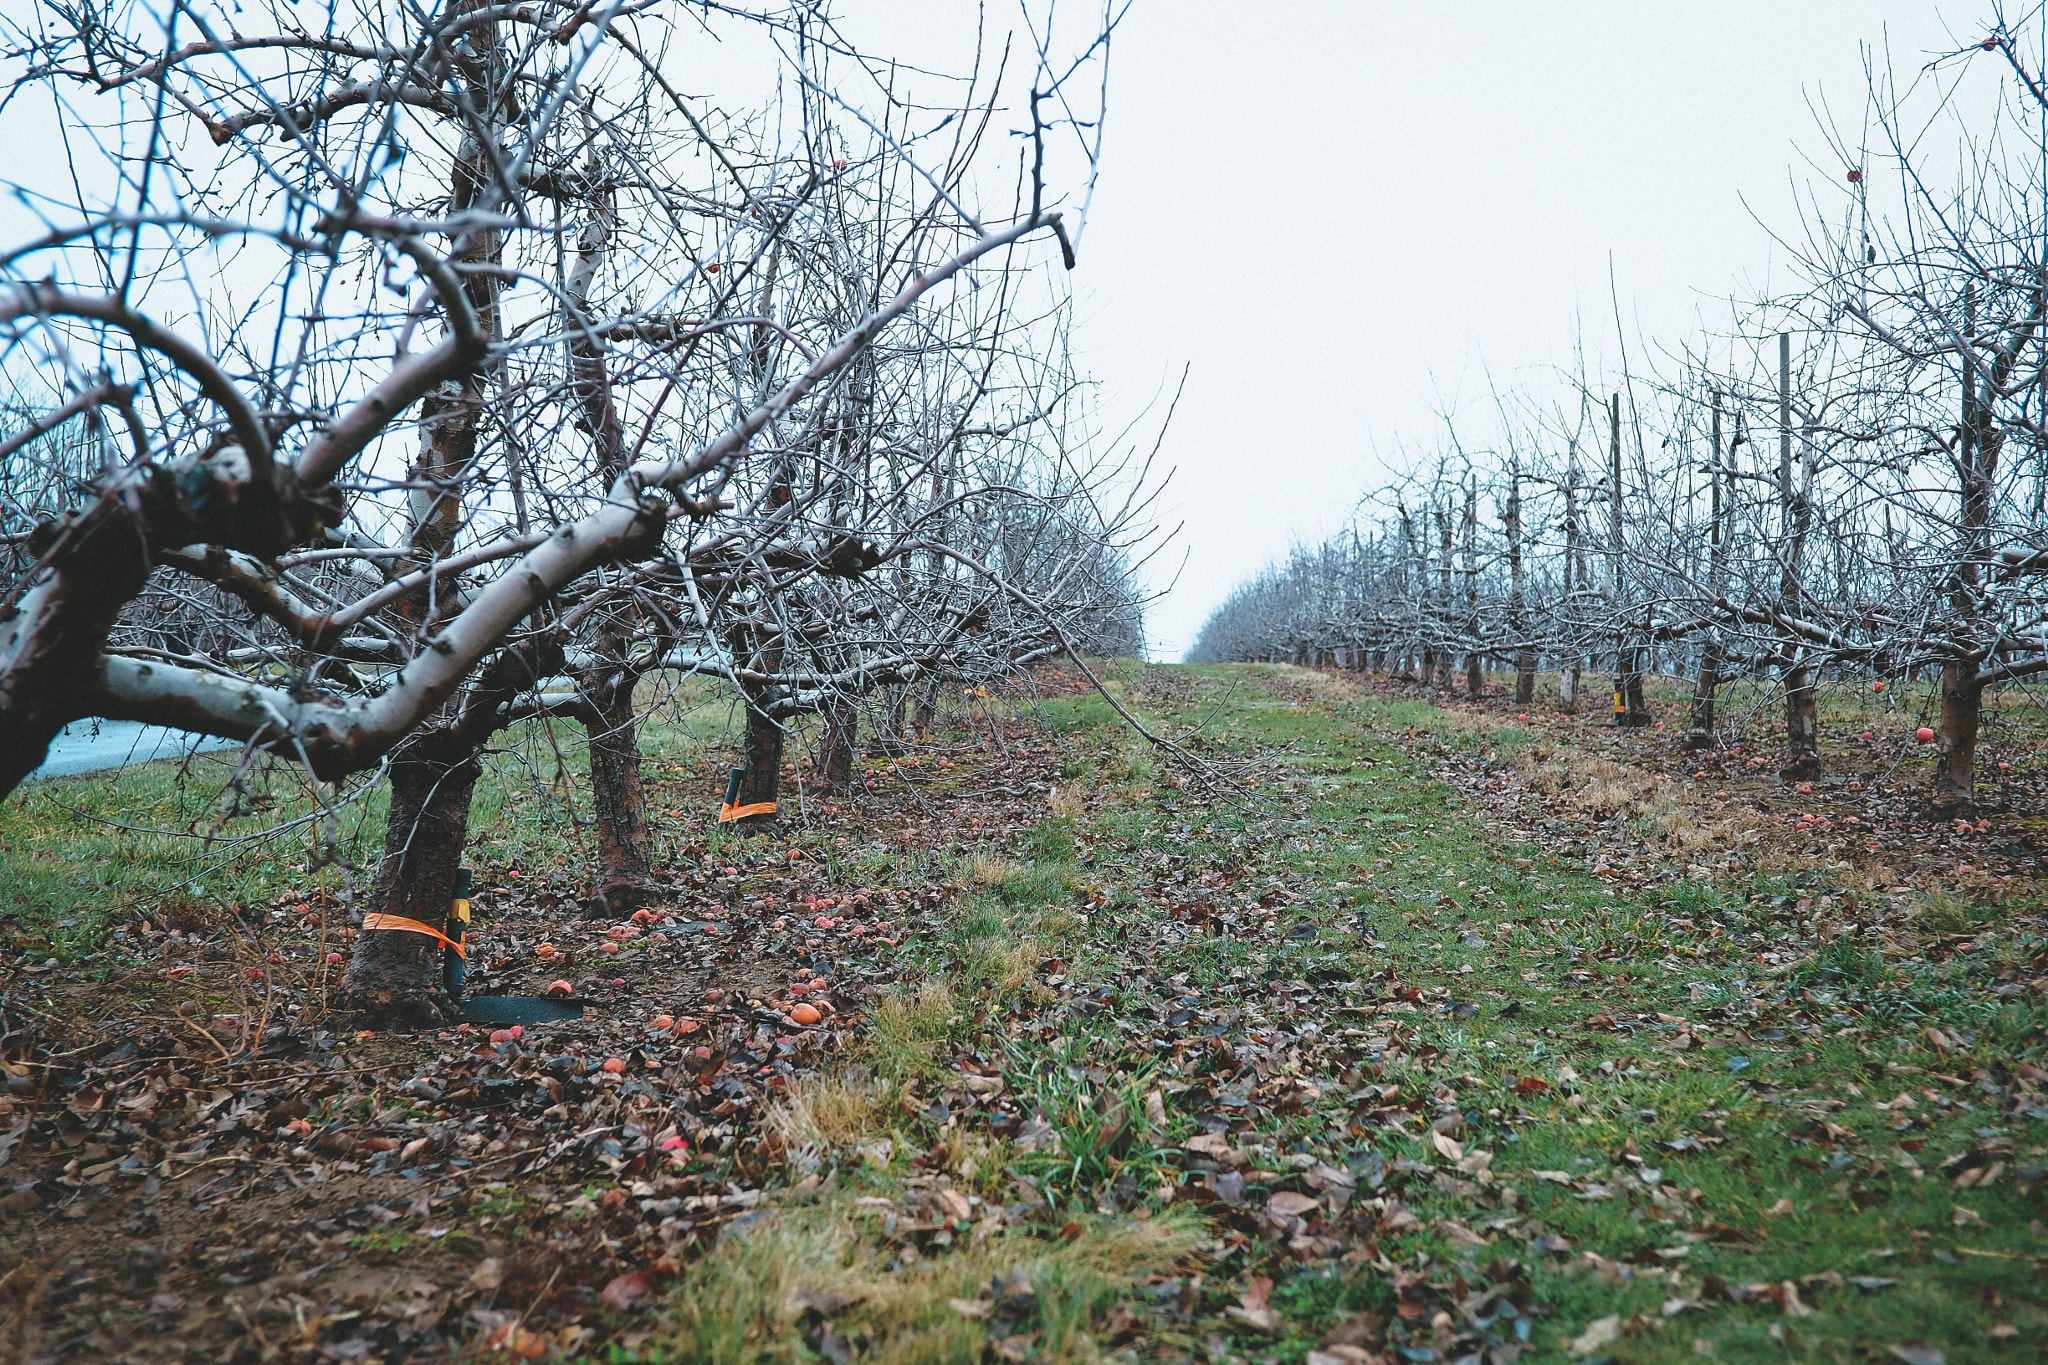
x=1447 y=1147
x=824 y=1302
x=1358 y=1330
x=1398 y=1219
x=1016 y=1288
x=489 y=1274
x=624 y=1293
x=1251 y=1309
x=970 y=1308
x=1458 y=1235
x=1291 y=1205
x=1918 y=1353
x=1033 y=1133
x=1598 y=1333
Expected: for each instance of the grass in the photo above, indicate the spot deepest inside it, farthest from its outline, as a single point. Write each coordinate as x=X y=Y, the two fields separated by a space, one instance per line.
x=1739 y=1132
x=1676 y=1128
x=182 y=842
x=831 y=1271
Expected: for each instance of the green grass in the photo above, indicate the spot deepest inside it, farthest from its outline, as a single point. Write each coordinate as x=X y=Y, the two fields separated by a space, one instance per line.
x=1770 y=1159
x=1592 y=1034
x=82 y=855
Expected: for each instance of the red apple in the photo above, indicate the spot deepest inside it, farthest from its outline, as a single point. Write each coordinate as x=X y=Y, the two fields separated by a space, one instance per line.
x=1924 y=735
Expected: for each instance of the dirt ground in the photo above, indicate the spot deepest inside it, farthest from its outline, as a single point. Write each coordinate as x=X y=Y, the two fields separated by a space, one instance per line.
x=201 y=1165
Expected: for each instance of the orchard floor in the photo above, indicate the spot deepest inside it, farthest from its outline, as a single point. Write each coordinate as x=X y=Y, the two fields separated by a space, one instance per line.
x=1405 y=1032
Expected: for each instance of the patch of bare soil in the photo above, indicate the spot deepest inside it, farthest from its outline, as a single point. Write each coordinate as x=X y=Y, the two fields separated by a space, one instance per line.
x=197 y=1162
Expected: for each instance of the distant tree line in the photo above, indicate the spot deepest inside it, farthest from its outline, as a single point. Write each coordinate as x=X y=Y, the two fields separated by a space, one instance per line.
x=1846 y=484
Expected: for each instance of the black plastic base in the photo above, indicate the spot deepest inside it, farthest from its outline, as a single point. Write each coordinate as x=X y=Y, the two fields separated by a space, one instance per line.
x=518 y=1009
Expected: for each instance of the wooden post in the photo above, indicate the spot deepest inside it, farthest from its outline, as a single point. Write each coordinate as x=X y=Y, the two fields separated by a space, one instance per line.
x=1700 y=734
x=1574 y=581
x=1628 y=677
x=1475 y=682
x=1802 y=728
x=1446 y=600
x=1518 y=604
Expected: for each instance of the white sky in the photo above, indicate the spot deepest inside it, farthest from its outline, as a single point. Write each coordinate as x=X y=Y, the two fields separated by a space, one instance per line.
x=1342 y=215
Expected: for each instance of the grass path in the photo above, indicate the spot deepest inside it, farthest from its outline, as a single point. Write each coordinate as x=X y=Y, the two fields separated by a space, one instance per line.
x=1424 y=1094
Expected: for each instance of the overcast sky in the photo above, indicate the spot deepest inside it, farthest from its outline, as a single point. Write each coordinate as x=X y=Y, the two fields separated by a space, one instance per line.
x=1340 y=216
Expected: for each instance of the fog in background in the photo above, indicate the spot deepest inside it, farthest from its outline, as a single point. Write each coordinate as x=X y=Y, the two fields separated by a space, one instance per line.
x=1341 y=217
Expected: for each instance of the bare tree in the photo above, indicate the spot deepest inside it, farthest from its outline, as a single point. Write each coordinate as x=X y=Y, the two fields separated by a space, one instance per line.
x=601 y=319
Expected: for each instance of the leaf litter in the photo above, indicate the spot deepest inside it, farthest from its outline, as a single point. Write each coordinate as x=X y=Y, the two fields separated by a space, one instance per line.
x=1279 y=1054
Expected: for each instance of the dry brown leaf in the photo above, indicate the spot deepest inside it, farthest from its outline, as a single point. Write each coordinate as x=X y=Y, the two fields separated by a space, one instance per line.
x=1598 y=1333
x=1291 y=1205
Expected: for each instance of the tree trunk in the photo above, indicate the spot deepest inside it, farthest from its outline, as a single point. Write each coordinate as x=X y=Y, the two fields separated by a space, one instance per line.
x=760 y=768
x=836 y=752
x=1525 y=677
x=1629 y=711
x=1475 y=684
x=396 y=971
x=624 y=872
x=1568 y=686
x=1700 y=733
x=1802 y=723
x=1638 y=710
x=1955 y=770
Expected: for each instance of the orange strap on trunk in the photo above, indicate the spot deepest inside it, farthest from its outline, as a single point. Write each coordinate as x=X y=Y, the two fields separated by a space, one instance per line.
x=728 y=813
x=412 y=926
